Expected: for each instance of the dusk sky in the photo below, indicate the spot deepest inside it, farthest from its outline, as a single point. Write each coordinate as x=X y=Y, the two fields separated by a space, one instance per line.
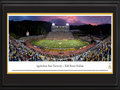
x=72 y=20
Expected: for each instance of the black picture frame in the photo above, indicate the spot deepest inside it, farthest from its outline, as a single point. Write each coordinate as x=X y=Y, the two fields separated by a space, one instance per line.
x=60 y=81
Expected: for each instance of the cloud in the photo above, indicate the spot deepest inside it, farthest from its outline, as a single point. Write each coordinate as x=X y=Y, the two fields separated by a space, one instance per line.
x=59 y=22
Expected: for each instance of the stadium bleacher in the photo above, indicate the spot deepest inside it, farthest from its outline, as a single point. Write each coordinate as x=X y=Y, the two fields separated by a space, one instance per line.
x=62 y=35
x=19 y=52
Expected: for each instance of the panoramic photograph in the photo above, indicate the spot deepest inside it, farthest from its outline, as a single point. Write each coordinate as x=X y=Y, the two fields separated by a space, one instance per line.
x=60 y=38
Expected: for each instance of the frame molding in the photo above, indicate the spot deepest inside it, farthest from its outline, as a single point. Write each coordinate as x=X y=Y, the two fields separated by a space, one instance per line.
x=115 y=3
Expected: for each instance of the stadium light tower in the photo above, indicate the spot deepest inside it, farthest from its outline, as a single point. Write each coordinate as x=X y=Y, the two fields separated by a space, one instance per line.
x=67 y=24
x=53 y=24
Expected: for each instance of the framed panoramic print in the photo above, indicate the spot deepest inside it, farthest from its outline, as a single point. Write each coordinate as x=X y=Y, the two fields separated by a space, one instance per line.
x=60 y=44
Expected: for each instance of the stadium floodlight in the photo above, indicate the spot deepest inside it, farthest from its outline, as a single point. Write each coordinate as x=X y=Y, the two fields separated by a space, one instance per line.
x=67 y=24
x=53 y=24
x=27 y=33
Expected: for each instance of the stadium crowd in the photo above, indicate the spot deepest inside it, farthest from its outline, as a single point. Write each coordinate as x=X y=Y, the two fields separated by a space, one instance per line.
x=101 y=52
x=18 y=51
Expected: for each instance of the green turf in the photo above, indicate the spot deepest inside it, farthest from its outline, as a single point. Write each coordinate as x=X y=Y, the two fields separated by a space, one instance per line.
x=59 y=43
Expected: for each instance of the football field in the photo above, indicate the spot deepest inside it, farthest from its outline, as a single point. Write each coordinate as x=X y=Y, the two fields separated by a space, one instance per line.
x=59 y=43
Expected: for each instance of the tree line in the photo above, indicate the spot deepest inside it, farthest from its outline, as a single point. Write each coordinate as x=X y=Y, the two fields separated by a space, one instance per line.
x=19 y=28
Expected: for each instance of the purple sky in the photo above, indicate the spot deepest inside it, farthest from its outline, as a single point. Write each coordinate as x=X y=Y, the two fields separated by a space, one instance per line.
x=73 y=20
